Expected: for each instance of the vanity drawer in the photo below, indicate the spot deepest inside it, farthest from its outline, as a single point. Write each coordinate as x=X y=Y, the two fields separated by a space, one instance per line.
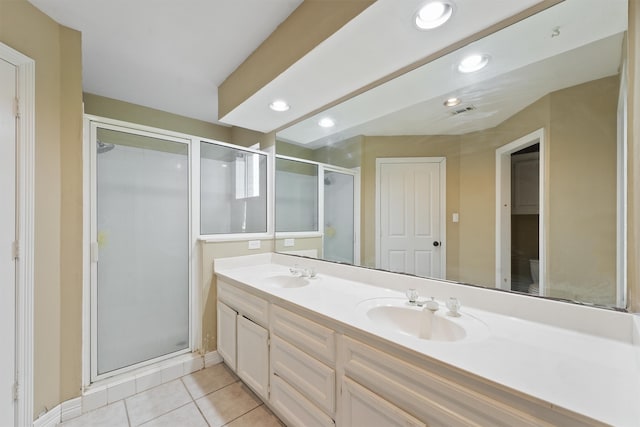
x=428 y=396
x=296 y=409
x=251 y=306
x=311 y=377
x=311 y=337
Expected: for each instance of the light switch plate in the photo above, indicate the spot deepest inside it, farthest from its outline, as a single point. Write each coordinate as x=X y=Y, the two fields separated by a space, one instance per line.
x=289 y=242
x=254 y=244
x=456 y=217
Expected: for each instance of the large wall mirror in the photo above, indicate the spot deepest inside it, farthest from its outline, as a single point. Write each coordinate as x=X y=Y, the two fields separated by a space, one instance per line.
x=501 y=164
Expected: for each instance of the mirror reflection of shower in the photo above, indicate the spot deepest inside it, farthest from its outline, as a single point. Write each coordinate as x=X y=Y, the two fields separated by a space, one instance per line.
x=103 y=147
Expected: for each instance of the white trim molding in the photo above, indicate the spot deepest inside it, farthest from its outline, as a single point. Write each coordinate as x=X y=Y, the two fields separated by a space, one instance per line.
x=49 y=419
x=26 y=88
x=212 y=358
x=70 y=409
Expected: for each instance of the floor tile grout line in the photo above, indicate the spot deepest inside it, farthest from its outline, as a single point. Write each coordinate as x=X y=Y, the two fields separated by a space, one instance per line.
x=185 y=386
x=242 y=415
x=221 y=388
x=126 y=411
x=166 y=413
x=193 y=400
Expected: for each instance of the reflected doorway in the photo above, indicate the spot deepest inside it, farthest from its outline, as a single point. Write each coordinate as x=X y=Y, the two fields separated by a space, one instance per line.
x=525 y=219
x=520 y=215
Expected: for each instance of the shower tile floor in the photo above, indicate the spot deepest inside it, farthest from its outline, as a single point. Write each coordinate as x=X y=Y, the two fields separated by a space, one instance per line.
x=211 y=397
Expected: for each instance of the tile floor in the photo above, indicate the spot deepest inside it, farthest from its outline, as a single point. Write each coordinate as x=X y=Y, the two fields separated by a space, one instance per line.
x=211 y=397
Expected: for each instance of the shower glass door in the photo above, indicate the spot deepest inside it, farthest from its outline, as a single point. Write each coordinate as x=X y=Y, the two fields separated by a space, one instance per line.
x=140 y=287
x=339 y=217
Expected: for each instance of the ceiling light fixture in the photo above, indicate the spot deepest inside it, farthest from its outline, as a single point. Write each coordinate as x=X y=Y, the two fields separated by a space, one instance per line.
x=433 y=15
x=326 y=123
x=473 y=63
x=279 y=105
x=452 y=102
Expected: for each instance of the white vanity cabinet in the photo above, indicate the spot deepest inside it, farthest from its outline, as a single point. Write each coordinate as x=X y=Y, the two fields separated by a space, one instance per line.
x=243 y=337
x=314 y=371
x=302 y=369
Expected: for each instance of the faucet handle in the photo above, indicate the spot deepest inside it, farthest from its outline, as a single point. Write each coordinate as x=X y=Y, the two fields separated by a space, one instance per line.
x=453 y=304
x=295 y=270
x=412 y=294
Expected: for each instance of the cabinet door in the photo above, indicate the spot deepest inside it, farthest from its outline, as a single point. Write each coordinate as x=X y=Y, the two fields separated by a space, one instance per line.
x=227 y=334
x=253 y=356
x=361 y=407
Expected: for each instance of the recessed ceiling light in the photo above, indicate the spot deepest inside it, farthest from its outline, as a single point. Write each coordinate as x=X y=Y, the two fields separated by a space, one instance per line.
x=452 y=102
x=473 y=63
x=326 y=123
x=433 y=14
x=279 y=105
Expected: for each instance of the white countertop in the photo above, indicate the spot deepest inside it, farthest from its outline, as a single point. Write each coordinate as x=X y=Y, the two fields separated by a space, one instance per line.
x=585 y=373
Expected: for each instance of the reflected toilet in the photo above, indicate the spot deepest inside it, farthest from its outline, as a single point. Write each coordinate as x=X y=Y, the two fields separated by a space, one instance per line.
x=534 y=265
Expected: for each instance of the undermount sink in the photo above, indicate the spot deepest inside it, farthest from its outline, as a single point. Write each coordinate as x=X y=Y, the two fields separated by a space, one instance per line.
x=284 y=281
x=397 y=315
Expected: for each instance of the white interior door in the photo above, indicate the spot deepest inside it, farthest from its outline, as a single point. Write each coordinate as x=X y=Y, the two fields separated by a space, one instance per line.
x=7 y=238
x=409 y=219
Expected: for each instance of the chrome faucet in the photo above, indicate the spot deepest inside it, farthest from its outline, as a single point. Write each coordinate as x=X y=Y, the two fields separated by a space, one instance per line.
x=298 y=271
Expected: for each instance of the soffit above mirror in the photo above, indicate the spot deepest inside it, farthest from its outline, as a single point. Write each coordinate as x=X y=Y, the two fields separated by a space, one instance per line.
x=375 y=44
x=560 y=53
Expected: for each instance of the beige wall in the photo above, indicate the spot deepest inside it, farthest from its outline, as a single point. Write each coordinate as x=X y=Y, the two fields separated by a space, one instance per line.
x=581 y=261
x=58 y=197
x=125 y=111
x=300 y=244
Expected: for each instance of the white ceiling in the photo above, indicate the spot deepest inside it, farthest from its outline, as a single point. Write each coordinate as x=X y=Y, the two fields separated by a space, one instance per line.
x=166 y=54
x=526 y=64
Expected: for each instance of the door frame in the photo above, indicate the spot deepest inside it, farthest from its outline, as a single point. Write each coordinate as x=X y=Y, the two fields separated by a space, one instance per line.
x=25 y=181
x=442 y=161
x=503 y=209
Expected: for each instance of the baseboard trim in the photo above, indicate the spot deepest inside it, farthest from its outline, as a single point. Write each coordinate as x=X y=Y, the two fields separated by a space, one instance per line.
x=70 y=409
x=212 y=358
x=49 y=419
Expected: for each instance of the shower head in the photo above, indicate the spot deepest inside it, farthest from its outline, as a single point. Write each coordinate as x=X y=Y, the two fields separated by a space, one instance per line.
x=103 y=147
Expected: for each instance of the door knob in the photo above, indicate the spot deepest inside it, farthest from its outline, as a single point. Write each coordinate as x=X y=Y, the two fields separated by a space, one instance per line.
x=436 y=243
